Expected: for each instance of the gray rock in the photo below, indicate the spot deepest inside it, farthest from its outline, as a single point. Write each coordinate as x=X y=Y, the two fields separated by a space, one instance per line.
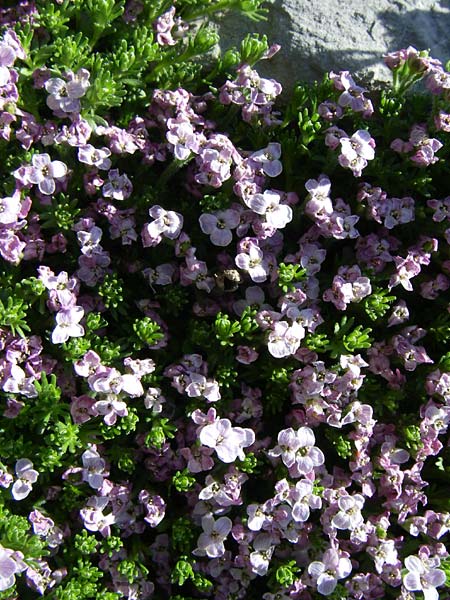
x=317 y=36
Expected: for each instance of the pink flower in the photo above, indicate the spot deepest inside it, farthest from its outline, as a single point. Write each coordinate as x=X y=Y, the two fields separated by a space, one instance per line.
x=200 y=386
x=118 y=186
x=356 y=151
x=8 y=568
x=252 y=261
x=110 y=408
x=10 y=209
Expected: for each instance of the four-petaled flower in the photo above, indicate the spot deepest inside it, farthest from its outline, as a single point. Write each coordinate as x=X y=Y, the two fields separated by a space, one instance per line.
x=44 y=171
x=423 y=576
x=228 y=442
x=26 y=476
x=210 y=542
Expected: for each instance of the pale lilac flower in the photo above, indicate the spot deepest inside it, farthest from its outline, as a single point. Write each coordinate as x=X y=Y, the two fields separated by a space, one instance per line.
x=308 y=456
x=218 y=225
x=68 y=324
x=269 y=205
x=41 y=524
x=16 y=382
x=8 y=568
x=227 y=441
x=254 y=297
x=356 y=151
x=400 y=314
x=167 y=223
x=182 y=136
x=246 y=355
x=264 y=546
x=10 y=208
x=252 y=261
x=384 y=553
x=64 y=95
x=284 y=339
x=93 y=517
x=44 y=171
x=110 y=409
x=200 y=386
x=267 y=159
x=423 y=576
x=288 y=444
x=90 y=240
x=304 y=499
x=81 y=408
x=349 y=515
x=89 y=155
x=111 y=381
x=94 y=470
x=154 y=400
x=329 y=570
x=26 y=476
x=64 y=288
x=210 y=542
x=118 y=186
x=155 y=507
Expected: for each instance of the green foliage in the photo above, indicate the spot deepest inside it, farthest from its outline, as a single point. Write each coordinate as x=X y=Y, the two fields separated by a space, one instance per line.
x=226 y=329
x=347 y=340
x=148 y=333
x=250 y=464
x=15 y=533
x=161 y=430
x=61 y=214
x=182 y=571
x=65 y=436
x=83 y=585
x=253 y=48
x=286 y=574
x=182 y=481
x=85 y=543
x=288 y=275
x=111 y=290
x=13 y=315
x=340 y=443
x=378 y=303
x=110 y=545
x=182 y=535
x=48 y=407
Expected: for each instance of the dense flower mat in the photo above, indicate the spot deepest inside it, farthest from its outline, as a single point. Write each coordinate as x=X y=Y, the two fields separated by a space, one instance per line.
x=224 y=318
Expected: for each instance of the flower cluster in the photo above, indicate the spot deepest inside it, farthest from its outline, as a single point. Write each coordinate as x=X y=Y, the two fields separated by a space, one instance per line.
x=224 y=322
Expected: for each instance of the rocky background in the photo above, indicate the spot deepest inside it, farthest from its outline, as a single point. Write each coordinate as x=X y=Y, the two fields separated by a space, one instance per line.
x=320 y=35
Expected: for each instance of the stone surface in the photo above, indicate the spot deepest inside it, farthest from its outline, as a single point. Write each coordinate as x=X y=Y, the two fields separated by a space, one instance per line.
x=321 y=35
